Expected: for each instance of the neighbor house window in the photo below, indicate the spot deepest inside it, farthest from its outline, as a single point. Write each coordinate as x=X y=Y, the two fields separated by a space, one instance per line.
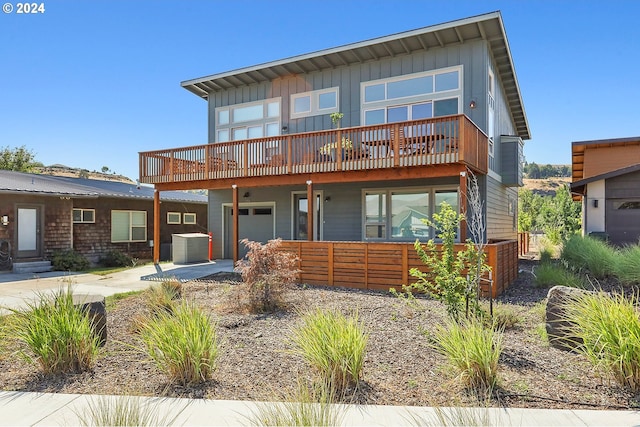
x=174 y=218
x=412 y=97
x=314 y=103
x=84 y=216
x=128 y=226
x=189 y=218
x=408 y=208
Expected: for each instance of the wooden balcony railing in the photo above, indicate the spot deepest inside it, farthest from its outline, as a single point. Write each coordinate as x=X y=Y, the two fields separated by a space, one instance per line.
x=438 y=141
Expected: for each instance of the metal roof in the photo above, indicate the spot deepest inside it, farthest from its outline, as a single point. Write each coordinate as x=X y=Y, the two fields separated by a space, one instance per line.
x=487 y=27
x=49 y=185
x=578 y=187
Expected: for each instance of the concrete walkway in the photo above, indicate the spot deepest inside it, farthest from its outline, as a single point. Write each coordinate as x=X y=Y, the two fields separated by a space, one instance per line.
x=41 y=409
x=18 y=289
x=48 y=409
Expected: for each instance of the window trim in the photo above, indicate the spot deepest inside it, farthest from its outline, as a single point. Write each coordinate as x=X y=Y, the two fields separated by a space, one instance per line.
x=130 y=239
x=389 y=191
x=432 y=97
x=189 y=221
x=82 y=211
x=179 y=219
x=231 y=125
x=314 y=103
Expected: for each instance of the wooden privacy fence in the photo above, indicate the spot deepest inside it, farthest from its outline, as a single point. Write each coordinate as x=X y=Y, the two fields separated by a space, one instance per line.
x=380 y=266
x=523 y=243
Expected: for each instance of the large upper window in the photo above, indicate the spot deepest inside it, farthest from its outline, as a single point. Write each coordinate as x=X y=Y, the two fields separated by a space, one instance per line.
x=248 y=120
x=314 y=103
x=412 y=97
x=128 y=226
x=398 y=214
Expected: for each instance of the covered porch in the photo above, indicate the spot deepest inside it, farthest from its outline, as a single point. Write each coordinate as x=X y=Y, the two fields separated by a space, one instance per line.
x=443 y=147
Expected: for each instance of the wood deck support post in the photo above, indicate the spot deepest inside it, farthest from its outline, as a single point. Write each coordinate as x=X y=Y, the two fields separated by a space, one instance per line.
x=156 y=226
x=235 y=218
x=463 y=205
x=310 y=210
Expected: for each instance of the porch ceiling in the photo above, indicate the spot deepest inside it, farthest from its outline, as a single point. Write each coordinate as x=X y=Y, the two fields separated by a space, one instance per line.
x=487 y=27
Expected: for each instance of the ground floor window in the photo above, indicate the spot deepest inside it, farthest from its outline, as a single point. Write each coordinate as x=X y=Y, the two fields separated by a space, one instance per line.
x=397 y=214
x=128 y=226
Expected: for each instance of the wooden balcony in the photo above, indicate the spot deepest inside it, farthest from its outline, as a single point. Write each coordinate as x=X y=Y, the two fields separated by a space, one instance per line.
x=447 y=143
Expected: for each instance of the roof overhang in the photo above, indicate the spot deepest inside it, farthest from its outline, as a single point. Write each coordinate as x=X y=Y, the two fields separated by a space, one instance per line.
x=488 y=27
x=579 y=187
x=578 y=148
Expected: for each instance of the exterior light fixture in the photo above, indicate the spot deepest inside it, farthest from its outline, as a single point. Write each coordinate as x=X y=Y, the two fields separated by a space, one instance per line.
x=473 y=104
x=5 y=220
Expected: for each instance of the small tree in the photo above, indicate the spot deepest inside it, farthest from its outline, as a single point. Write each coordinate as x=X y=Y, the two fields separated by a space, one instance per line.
x=267 y=273
x=18 y=159
x=451 y=275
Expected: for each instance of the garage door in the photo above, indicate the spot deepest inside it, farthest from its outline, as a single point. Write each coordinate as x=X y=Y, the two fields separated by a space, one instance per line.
x=254 y=223
x=623 y=220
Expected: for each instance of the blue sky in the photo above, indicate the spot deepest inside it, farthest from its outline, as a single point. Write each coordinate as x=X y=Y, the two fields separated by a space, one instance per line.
x=91 y=83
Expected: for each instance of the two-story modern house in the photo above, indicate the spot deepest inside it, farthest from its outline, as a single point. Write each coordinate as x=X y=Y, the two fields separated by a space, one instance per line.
x=418 y=110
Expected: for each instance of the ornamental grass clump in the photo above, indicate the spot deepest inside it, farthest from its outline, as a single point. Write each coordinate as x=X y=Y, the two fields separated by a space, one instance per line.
x=267 y=273
x=333 y=344
x=609 y=328
x=552 y=274
x=472 y=350
x=163 y=297
x=592 y=255
x=123 y=411
x=628 y=265
x=183 y=344
x=57 y=334
x=309 y=405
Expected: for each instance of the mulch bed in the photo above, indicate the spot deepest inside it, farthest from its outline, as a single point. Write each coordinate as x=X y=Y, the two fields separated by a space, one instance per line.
x=401 y=368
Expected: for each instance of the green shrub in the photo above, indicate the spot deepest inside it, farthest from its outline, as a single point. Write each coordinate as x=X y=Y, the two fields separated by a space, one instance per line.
x=69 y=260
x=333 y=344
x=472 y=351
x=116 y=259
x=628 y=265
x=183 y=344
x=549 y=274
x=587 y=253
x=609 y=328
x=57 y=334
x=267 y=273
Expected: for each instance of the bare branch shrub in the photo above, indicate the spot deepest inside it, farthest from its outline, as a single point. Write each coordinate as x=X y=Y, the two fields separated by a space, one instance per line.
x=267 y=273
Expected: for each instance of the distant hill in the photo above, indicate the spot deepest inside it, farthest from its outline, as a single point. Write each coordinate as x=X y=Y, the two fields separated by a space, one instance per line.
x=546 y=186
x=62 y=170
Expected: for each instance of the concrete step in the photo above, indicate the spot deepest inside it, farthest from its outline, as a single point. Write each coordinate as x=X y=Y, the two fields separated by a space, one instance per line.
x=32 y=267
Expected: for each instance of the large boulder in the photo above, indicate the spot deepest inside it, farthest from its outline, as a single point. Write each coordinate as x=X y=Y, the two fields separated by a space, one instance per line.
x=559 y=326
x=94 y=306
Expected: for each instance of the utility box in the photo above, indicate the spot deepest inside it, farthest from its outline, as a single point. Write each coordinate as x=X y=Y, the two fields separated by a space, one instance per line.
x=189 y=247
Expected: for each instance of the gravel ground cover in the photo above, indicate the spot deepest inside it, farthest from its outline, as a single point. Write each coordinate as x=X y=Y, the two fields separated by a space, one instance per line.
x=401 y=367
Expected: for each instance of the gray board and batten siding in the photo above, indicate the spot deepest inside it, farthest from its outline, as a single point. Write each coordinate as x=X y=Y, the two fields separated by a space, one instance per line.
x=473 y=56
x=342 y=213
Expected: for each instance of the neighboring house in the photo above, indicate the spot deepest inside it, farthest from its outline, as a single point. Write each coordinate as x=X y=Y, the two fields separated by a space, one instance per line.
x=420 y=109
x=606 y=176
x=43 y=214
